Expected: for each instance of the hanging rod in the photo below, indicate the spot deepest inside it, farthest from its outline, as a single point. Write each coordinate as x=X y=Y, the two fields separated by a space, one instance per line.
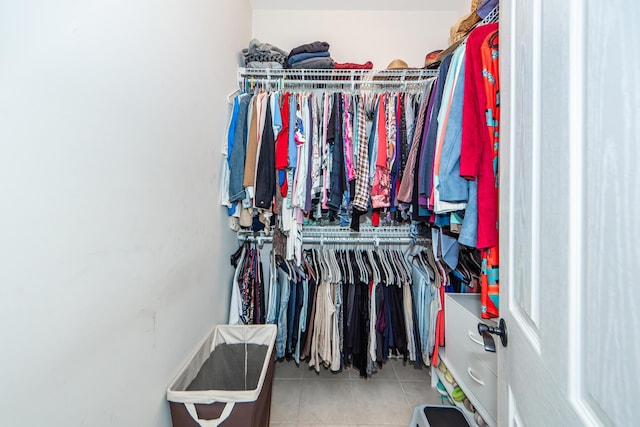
x=331 y=79
x=336 y=235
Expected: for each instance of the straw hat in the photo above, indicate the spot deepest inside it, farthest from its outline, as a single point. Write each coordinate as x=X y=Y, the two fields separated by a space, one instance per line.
x=397 y=64
x=431 y=58
x=461 y=28
x=466 y=23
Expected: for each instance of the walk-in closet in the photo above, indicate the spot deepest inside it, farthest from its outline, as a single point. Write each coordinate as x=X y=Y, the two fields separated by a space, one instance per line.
x=338 y=213
x=360 y=197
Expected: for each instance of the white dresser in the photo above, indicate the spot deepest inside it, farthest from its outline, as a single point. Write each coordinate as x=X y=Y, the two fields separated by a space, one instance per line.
x=473 y=368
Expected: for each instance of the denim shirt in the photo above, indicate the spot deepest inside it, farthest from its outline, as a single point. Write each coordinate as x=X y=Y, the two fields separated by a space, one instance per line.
x=236 y=160
x=452 y=187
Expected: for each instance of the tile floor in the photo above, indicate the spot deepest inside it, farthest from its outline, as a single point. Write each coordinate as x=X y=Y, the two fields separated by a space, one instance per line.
x=301 y=397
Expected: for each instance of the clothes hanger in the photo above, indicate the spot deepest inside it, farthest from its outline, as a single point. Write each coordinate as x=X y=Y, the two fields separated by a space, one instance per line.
x=350 y=267
x=231 y=97
x=310 y=270
x=376 y=266
x=385 y=266
x=355 y=267
x=315 y=253
x=402 y=279
x=336 y=266
x=369 y=261
x=237 y=255
x=380 y=266
x=405 y=263
x=316 y=265
x=342 y=267
x=427 y=259
x=300 y=273
x=391 y=274
x=367 y=271
x=397 y=274
x=430 y=263
x=325 y=260
x=357 y=254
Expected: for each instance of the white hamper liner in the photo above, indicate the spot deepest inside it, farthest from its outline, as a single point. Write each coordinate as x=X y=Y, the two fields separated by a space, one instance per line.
x=222 y=334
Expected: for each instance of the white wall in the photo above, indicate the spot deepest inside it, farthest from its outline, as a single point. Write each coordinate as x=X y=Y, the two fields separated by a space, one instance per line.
x=463 y=5
x=113 y=248
x=379 y=36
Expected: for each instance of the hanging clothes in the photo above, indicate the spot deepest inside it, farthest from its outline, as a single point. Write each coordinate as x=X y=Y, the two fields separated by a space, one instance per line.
x=338 y=308
x=425 y=157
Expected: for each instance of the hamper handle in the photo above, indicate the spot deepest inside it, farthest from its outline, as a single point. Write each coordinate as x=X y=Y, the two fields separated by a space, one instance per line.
x=191 y=409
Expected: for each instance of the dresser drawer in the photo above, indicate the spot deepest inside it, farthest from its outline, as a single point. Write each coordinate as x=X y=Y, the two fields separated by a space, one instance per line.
x=462 y=315
x=473 y=368
x=475 y=379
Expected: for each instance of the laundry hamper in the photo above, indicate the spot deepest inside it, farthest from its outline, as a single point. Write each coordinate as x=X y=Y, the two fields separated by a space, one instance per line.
x=227 y=381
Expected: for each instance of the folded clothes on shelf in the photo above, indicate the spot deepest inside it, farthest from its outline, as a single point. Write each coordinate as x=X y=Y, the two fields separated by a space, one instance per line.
x=316 y=62
x=263 y=52
x=306 y=55
x=353 y=66
x=316 y=46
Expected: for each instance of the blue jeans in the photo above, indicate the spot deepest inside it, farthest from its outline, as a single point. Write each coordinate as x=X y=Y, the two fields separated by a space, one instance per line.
x=303 y=318
x=281 y=334
x=274 y=297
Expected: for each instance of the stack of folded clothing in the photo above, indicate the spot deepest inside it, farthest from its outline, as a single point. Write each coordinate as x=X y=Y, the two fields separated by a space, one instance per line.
x=311 y=55
x=353 y=66
x=263 y=55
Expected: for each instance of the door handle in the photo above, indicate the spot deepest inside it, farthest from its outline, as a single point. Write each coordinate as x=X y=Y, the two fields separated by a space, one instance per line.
x=486 y=331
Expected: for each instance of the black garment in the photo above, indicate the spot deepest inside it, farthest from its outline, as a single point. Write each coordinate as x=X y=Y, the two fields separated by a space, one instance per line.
x=349 y=302
x=416 y=179
x=316 y=46
x=338 y=174
x=404 y=140
x=397 y=320
x=297 y=312
x=235 y=257
x=265 y=185
x=355 y=213
x=313 y=293
x=361 y=336
x=293 y=289
x=382 y=330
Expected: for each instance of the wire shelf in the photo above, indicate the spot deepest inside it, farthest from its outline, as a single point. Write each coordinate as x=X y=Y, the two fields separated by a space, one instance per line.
x=341 y=80
x=336 y=235
x=493 y=16
x=251 y=79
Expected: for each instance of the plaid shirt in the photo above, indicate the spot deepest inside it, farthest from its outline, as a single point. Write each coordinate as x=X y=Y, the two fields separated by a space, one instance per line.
x=361 y=196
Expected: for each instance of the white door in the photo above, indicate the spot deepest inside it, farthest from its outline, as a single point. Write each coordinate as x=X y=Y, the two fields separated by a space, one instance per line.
x=570 y=212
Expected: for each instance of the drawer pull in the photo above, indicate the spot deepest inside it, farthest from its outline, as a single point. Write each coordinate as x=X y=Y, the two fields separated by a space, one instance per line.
x=474 y=377
x=473 y=338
